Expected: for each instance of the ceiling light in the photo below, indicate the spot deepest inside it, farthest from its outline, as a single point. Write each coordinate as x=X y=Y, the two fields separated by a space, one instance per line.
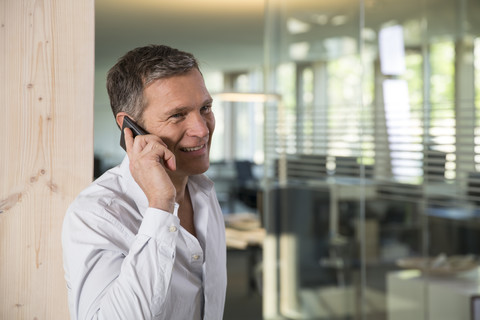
x=295 y=26
x=339 y=20
x=321 y=19
x=299 y=50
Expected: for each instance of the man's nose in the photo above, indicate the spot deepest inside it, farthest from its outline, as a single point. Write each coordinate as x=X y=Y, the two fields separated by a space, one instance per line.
x=197 y=126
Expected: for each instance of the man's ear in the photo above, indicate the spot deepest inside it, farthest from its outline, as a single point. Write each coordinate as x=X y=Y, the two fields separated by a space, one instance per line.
x=119 y=118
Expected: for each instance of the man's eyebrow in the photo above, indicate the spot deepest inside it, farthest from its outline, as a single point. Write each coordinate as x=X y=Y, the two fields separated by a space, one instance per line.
x=177 y=110
x=185 y=109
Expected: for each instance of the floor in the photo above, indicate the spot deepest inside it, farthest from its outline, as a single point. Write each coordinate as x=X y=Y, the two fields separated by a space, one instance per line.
x=241 y=303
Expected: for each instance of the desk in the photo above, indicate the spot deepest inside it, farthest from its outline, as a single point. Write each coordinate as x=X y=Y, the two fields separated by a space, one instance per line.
x=243 y=231
x=410 y=295
x=467 y=215
x=242 y=239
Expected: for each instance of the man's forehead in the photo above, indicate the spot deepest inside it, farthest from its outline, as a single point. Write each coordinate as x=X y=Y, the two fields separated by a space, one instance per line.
x=167 y=96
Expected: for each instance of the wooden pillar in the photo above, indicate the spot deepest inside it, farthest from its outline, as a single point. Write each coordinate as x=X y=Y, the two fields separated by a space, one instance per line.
x=46 y=146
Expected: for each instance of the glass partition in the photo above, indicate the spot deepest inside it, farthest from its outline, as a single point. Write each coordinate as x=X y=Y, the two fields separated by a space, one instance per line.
x=372 y=180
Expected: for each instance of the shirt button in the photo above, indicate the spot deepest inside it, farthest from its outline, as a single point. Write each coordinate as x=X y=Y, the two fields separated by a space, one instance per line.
x=172 y=229
x=195 y=257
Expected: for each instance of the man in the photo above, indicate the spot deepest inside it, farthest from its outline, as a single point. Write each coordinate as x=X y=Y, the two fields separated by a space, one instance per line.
x=146 y=240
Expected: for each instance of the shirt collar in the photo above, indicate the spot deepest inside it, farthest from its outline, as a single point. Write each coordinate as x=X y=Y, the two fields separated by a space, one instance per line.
x=131 y=188
x=202 y=183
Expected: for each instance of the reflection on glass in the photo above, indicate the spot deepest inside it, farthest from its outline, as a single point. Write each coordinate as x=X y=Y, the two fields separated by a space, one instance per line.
x=376 y=139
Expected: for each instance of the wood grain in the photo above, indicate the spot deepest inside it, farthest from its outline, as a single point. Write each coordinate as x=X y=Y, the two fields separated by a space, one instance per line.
x=46 y=95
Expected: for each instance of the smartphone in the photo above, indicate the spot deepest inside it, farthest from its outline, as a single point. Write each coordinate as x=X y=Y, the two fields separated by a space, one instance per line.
x=136 y=129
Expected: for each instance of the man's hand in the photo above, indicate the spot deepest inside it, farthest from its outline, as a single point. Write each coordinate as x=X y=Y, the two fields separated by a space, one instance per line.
x=149 y=161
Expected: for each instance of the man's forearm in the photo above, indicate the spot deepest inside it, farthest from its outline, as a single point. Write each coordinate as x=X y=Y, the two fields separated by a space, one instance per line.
x=107 y=284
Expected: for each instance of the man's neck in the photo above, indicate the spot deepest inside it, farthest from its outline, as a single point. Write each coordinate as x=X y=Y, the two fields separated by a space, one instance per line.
x=180 y=184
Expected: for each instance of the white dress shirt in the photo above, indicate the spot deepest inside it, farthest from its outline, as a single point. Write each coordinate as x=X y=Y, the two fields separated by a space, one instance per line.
x=124 y=260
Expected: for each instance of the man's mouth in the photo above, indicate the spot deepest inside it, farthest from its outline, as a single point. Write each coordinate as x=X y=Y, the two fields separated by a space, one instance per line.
x=193 y=148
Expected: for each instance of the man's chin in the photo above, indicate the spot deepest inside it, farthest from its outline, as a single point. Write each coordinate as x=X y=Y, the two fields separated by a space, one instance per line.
x=193 y=170
x=203 y=170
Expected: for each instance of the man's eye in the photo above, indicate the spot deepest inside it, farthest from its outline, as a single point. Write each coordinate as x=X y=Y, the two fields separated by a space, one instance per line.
x=207 y=109
x=176 y=115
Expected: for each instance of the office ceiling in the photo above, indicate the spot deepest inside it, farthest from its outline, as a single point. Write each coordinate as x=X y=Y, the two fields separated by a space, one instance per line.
x=228 y=34
x=223 y=34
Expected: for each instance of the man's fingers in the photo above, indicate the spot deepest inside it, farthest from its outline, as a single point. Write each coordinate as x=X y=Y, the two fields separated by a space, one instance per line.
x=128 y=135
x=169 y=160
x=150 y=144
x=165 y=156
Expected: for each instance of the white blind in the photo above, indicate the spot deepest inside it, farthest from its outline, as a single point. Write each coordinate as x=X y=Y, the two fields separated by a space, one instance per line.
x=413 y=135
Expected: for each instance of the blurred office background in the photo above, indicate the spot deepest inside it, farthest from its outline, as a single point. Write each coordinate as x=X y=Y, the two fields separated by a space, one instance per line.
x=346 y=153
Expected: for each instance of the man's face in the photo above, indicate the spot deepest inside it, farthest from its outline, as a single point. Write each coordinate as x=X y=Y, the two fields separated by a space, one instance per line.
x=179 y=112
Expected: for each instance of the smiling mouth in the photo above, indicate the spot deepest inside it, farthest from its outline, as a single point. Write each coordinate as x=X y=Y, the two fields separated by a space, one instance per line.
x=193 y=148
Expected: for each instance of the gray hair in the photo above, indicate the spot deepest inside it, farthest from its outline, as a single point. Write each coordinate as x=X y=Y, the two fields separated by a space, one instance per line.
x=133 y=72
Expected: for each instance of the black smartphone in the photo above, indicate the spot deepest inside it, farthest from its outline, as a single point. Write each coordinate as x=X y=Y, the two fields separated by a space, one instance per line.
x=136 y=129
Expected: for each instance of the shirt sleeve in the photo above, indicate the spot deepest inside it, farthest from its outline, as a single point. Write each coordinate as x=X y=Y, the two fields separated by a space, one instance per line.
x=104 y=281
